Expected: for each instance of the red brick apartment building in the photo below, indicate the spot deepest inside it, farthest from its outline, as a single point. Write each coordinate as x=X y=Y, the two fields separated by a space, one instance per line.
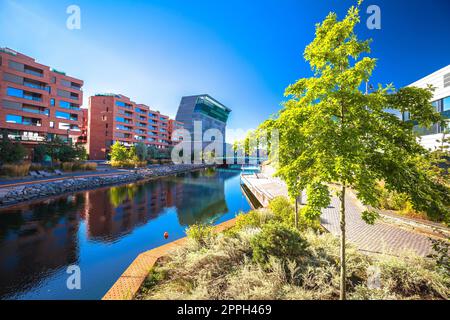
x=37 y=102
x=114 y=117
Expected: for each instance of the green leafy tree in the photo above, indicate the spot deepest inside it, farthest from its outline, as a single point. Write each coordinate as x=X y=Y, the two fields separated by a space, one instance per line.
x=333 y=133
x=39 y=152
x=119 y=152
x=141 y=151
x=10 y=152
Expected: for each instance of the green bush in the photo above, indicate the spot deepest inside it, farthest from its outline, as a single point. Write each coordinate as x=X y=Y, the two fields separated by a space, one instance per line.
x=11 y=152
x=283 y=210
x=200 y=233
x=253 y=219
x=280 y=241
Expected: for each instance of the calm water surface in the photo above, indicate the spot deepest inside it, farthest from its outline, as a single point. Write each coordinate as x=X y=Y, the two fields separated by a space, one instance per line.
x=102 y=231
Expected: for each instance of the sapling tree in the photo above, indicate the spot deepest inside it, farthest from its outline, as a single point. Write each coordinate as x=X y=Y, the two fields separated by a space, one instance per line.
x=333 y=134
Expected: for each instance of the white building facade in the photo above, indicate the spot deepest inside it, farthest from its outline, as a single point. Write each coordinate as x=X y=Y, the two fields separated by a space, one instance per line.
x=430 y=137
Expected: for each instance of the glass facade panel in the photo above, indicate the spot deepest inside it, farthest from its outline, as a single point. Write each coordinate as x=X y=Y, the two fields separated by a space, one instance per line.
x=446 y=102
x=205 y=107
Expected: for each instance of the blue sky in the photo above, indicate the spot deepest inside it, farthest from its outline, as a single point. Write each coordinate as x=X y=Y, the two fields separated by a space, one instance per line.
x=243 y=53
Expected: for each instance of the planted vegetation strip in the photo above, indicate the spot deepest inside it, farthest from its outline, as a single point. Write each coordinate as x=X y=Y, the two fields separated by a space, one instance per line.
x=129 y=283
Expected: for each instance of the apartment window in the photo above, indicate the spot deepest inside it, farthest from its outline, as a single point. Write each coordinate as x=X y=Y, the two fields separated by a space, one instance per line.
x=12 y=118
x=68 y=105
x=16 y=66
x=13 y=92
x=52 y=102
x=447 y=80
x=104 y=119
x=52 y=124
x=120 y=104
x=62 y=115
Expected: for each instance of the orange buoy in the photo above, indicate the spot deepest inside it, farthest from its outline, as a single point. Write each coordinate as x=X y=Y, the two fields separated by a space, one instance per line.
x=166 y=235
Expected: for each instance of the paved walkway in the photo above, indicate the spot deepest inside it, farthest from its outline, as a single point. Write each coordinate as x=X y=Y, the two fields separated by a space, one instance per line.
x=382 y=237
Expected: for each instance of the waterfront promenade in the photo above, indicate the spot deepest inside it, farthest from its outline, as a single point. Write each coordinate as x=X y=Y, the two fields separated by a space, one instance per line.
x=384 y=236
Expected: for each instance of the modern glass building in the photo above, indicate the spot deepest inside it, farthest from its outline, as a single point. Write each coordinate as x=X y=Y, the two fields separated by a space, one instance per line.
x=440 y=80
x=205 y=109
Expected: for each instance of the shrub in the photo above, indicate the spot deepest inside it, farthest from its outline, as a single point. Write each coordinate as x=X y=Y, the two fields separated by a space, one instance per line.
x=128 y=164
x=36 y=167
x=78 y=166
x=253 y=219
x=284 y=212
x=16 y=170
x=11 y=152
x=400 y=202
x=412 y=277
x=200 y=233
x=441 y=255
x=280 y=241
x=90 y=166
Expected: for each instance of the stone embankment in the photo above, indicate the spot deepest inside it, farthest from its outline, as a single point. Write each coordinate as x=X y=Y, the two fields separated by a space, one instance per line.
x=18 y=194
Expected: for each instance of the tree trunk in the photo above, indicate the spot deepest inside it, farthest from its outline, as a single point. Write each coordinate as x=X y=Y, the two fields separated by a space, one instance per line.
x=343 y=292
x=296 y=212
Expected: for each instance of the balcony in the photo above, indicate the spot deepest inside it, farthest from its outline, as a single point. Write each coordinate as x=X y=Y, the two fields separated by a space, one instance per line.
x=68 y=105
x=33 y=71
x=26 y=121
x=18 y=93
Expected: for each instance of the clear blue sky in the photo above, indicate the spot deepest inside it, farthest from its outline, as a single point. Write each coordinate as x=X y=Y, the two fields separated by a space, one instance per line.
x=244 y=53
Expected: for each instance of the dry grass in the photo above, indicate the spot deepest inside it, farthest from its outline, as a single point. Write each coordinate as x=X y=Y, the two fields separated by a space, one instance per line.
x=16 y=170
x=128 y=164
x=78 y=166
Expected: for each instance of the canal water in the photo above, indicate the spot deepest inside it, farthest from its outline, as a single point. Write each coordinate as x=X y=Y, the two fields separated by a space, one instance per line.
x=102 y=231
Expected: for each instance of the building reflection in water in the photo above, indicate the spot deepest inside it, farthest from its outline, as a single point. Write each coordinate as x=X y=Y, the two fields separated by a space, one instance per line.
x=37 y=239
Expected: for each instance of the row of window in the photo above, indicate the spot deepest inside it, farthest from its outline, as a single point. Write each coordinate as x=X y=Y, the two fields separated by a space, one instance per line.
x=40 y=73
x=28 y=121
x=19 y=93
x=142 y=111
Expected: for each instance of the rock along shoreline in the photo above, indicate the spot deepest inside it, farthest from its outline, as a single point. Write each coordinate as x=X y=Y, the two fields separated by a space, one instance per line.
x=17 y=195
